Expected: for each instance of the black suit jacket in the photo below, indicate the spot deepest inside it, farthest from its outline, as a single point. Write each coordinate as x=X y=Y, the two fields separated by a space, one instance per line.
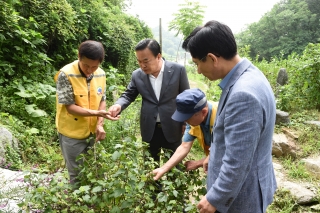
x=174 y=82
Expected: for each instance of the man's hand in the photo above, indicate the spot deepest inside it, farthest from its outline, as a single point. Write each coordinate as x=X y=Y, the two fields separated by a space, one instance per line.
x=114 y=111
x=158 y=173
x=193 y=164
x=205 y=165
x=100 y=133
x=107 y=115
x=205 y=207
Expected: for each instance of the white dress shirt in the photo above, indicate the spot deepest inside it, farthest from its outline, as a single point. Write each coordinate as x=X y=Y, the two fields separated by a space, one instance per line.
x=156 y=83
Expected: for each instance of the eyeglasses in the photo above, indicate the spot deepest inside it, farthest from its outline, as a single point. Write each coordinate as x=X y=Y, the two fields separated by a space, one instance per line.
x=203 y=58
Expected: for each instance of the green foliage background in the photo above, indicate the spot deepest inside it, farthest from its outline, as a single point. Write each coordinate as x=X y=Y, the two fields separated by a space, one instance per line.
x=287 y=28
x=38 y=37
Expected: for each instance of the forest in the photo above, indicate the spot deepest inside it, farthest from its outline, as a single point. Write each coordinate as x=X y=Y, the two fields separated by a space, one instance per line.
x=38 y=37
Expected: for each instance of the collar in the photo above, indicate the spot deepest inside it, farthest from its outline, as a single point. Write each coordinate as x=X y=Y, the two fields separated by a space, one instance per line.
x=225 y=80
x=162 y=67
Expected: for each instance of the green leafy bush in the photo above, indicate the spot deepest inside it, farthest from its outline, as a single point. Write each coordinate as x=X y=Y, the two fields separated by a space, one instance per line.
x=115 y=178
x=302 y=91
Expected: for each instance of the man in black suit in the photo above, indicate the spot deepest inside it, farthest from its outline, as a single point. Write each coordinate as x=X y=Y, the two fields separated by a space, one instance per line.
x=158 y=82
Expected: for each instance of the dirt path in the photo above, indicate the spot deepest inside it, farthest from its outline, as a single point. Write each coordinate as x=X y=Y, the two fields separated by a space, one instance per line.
x=197 y=84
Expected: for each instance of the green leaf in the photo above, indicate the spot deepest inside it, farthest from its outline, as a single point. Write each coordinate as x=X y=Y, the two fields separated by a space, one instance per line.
x=175 y=193
x=162 y=197
x=23 y=94
x=141 y=185
x=115 y=209
x=84 y=188
x=125 y=204
x=86 y=198
x=32 y=131
x=113 y=87
x=118 y=192
x=35 y=112
x=116 y=155
x=96 y=189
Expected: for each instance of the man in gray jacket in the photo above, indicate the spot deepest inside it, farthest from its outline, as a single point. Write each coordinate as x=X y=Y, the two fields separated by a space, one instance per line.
x=158 y=82
x=240 y=171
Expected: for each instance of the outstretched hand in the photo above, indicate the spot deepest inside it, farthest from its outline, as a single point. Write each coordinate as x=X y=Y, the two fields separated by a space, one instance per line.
x=113 y=112
x=158 y=173
x=193 y=164
x=107 y=115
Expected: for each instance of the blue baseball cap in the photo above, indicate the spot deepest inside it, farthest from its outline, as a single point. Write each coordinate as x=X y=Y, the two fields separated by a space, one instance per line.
x=189 y=102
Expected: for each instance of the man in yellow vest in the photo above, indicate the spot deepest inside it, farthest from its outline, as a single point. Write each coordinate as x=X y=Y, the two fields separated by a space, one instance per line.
x=199 y=114
x=81 y=105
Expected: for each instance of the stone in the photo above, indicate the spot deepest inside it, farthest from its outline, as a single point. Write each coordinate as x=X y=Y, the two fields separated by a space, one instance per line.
x=303 y=195
x=317 y=123
x=281 y=146
x=282 y=117
x=6 y=139
x=282 y=78
x=290 y=133
x=313 y=166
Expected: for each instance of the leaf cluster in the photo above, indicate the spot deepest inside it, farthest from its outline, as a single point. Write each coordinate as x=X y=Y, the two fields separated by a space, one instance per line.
x=190 y=15
x=115 y=177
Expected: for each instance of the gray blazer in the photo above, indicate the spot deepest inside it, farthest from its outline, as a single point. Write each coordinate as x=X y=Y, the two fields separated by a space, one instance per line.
x=174 y=82
x=240 y=171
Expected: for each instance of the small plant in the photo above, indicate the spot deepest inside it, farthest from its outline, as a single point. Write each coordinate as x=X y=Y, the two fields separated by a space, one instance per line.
x=283 y=202
x=115 y=178
x=295 y=169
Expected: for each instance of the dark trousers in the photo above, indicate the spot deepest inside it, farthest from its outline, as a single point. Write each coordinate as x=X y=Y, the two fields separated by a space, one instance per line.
x=158 y=141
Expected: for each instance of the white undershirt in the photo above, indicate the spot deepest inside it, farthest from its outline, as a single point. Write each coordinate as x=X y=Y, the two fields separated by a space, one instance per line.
x=156 y=83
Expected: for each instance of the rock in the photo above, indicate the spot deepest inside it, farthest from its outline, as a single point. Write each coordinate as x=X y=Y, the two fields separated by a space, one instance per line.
x=281 y=146
x=278 y=173
x=282 y=117
x=313 y=166
x=6 y=139
x=317 y=123
x=303 y=195
x=282 y=78
x=277 y=150
x=290 y=133
x=316 y=207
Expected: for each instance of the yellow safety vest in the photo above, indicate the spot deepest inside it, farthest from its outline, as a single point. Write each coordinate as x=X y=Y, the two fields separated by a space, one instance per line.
x=76 y=126
x=196 y=130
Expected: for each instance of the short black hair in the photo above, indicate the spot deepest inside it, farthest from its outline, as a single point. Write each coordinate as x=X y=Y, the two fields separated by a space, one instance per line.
x=151 y=44
x=214 y=37
x=92 y=50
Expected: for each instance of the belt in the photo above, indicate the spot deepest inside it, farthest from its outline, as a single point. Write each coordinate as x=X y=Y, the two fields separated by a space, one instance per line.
x=158 y=125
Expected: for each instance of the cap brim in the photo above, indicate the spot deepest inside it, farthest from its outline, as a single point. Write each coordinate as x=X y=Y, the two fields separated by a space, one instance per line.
x=181 y=117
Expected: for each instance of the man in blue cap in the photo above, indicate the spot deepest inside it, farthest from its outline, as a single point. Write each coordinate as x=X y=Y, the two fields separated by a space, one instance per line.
x=199 y=114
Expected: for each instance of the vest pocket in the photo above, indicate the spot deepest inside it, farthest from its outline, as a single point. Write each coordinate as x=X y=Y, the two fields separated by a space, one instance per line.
x=81 y=98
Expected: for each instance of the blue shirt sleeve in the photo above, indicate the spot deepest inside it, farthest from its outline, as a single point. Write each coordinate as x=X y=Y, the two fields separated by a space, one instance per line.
x=186 y=136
